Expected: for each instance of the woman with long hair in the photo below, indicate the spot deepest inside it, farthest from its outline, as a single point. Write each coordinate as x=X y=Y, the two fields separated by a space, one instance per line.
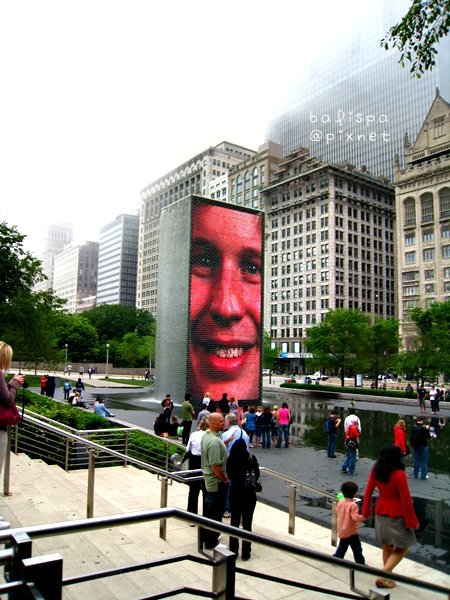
x=395 y=519
x=8 y=393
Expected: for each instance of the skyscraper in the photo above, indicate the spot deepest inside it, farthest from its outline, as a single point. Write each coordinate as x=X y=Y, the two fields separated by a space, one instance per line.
x=353 y=102
x=58 y=236
x=117 y=261
x=75 y=278
x=192 y=177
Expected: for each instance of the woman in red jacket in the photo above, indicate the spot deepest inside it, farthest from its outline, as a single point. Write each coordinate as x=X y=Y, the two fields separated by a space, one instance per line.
x=400 y=436
x=395 y=519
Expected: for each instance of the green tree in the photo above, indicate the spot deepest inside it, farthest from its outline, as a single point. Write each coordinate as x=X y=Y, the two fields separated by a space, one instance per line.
x=433 y=341
x=270 y=355
x=134 y=350
x=113 y=321
x=339 y=343
x=383 y=345
x=80 y=336
x=418 y=33
x=19 y=270
x=30 y=324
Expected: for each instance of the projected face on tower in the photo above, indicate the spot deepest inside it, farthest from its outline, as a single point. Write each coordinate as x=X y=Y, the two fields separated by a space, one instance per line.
x=225 y=302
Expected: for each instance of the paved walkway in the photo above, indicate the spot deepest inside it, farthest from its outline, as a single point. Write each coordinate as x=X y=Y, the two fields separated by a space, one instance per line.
x=44 y=494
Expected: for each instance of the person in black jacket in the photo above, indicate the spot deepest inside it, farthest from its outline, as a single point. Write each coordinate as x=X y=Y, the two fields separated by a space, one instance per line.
x=420 y=435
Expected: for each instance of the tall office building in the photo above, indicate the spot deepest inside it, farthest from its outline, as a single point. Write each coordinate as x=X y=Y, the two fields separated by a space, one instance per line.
x=75 y=277
x=192 y=177
x=330 y=244
x=117 y=261
x=352 y=101
x=58 y=236
x=422 y=188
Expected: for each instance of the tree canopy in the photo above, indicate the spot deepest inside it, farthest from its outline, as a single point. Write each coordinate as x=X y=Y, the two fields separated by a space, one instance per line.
x=339 y=343
x=418 y=33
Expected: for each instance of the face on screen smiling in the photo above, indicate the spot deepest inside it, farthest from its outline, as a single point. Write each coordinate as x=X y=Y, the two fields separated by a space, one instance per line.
x=225 y=302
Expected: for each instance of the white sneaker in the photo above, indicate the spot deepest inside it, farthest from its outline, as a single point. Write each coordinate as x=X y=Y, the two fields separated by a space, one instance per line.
x=4 y=525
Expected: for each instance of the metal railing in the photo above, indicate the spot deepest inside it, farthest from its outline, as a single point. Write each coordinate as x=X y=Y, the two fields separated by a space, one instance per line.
x=24 y=571
x=41 y=577
x=55 y=443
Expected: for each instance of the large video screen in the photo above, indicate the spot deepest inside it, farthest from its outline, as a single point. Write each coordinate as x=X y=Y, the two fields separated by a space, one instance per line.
x=225 y=301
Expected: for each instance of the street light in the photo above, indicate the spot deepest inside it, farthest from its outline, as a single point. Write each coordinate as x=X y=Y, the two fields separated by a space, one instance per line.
x=107 y=360
x=65 y=364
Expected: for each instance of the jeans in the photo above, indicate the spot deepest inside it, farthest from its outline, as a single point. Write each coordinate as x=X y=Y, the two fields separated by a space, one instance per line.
x=332 y=439
x=420 y=462
x=213 y=508
x=265 y=436
x=283 y=430
x=355 y=544
x=350 y=461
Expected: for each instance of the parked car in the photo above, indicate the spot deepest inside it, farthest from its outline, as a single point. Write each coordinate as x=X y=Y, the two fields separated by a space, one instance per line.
x=318 y=375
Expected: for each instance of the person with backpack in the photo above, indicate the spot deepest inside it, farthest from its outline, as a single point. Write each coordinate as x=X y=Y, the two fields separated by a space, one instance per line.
x=242 y=496
x=231 y=434
x=331 y=425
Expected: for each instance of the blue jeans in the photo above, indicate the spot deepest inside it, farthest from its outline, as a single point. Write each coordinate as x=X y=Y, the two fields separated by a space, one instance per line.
x=421 y=462
x=265 y=436
x=350 y=461
x=355 y=544
x=283 y=430
x=332 y=439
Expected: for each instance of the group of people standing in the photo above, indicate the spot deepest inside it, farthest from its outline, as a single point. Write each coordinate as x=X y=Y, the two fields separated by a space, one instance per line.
x=395 y=519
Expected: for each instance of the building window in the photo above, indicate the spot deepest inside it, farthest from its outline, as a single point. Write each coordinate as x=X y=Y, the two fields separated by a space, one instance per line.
x=444 y=202
x=445 y=233
x=410 y=239
x=445 y=251
x=430 y=254
x=410 y=211
x=426 y=203
x=410 y=258
x=410 y=276
x=429 y=288
x=428 y=235
x=429 y=274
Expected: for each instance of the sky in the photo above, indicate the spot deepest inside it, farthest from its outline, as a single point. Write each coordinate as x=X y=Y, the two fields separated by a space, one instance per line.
x=102 y=97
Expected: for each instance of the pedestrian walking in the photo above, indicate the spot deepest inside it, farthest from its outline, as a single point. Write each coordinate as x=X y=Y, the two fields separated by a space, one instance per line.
x=348 y=520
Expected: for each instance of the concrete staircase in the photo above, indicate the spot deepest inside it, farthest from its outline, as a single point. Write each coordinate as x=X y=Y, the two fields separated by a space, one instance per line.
x=47 y=494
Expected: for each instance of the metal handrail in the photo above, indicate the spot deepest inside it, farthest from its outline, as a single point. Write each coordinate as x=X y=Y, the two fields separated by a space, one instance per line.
x=81 y=525
x=166 y=477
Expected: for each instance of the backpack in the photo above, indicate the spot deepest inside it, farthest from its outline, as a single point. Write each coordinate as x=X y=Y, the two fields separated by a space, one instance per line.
x=252 y=482
x=238 y=459
x=329 y=425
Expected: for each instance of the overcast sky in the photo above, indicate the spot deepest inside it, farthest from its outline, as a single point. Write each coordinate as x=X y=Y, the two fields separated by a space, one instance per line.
x=101 y=97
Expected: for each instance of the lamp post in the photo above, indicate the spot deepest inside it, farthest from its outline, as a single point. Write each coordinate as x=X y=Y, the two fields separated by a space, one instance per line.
x=107 y=361
x=65 y=364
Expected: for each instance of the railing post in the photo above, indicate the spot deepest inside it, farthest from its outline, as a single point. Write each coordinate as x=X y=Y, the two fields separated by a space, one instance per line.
x=126 y=448
x=7 y=464
x=166 y=466
x=224 y=574
x=66 y=465
x=16 y=440
x=163 y=504
x=91 y=484
x=292 y=505
x=21 y=545
x=334 y=535
x=45 y=572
